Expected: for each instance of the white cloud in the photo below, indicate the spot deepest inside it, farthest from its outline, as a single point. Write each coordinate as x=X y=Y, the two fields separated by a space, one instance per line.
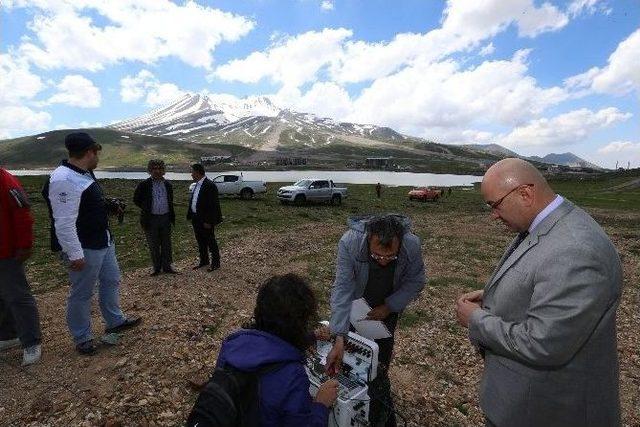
x=590 y=7
x=444 y=96
x=619 y=77
x=565 y=129
x=620 y=153
x=77 y=91
x=17 y=82
x=18 y=87
x=292 y=61
x=487 y=50
x=298 y=60
x=323 y=99
x=15 y=119
x=620 y=147
x=66 y=35
x=326 y=5
x=535 y=21
x=146 y=85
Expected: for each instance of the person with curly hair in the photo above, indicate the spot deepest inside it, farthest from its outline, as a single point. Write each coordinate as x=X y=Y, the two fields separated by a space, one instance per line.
x=279 y=335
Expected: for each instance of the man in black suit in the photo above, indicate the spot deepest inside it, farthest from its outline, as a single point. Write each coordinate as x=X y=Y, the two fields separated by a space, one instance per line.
x=154 y=197
x=204 y=213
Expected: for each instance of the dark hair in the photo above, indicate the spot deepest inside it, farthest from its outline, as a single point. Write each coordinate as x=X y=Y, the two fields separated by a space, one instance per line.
x=386 y=227
x=197 y=167
x=155 y=162
x=286 y=307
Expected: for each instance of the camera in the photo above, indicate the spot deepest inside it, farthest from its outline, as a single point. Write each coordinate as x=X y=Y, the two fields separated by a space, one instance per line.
x=116 y=206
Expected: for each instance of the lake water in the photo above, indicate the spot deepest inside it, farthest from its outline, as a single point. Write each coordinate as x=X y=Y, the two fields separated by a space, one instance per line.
x=344 y=177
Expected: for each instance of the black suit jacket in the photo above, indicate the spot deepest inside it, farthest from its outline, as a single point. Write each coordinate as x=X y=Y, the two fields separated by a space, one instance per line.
x=143 y=198
x=207 y=206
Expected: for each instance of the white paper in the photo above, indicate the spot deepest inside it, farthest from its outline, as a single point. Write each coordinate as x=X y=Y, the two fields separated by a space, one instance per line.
x=372 y=329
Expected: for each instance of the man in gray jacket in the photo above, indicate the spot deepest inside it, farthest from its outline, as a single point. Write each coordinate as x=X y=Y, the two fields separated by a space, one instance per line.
x=546 y=320
x=380 y=260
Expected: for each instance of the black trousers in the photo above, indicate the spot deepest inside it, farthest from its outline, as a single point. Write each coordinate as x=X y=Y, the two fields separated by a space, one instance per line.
x=158 y=232
x=381 y=408
x=19 y=316
x=207 y=244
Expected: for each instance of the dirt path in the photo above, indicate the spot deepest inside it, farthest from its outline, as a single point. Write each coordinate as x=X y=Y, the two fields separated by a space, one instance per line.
x=144 y=381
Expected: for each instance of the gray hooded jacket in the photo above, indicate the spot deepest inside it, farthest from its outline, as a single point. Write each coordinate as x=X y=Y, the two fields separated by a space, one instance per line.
x=352 y=272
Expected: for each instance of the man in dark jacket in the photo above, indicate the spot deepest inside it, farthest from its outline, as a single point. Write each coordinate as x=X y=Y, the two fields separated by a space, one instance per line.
x=154 y=197
x=19 y=320
x=204 y=213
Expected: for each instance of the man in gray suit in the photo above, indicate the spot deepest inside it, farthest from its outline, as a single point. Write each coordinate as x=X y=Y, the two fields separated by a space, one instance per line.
x=546 y=320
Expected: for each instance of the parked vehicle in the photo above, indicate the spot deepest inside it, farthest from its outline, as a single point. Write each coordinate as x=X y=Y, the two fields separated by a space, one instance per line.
x=424 y=194
x=312 y=190
x=236 y=185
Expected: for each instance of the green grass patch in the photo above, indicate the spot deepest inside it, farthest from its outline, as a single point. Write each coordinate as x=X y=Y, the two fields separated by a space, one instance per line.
x=445 y=281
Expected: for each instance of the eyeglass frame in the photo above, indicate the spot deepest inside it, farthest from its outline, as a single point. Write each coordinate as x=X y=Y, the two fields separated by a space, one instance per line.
x=496 y=204
x=389 y=258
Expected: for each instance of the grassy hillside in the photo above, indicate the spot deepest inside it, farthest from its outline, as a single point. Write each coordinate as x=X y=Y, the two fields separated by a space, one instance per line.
x=131 y=151
x=120 y=150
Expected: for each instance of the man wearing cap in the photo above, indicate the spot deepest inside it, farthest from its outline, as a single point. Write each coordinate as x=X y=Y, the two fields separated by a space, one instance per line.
x=80 y=230
x=19 y=320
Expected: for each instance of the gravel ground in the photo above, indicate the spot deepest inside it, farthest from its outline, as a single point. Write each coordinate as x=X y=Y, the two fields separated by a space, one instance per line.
x=147 y=380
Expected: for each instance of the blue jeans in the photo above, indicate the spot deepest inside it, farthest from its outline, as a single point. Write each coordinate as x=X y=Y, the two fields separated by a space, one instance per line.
x=101 y=266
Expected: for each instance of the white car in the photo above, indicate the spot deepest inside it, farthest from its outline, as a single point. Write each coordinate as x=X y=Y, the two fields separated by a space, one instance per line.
x=236 y=185
x=312 y=190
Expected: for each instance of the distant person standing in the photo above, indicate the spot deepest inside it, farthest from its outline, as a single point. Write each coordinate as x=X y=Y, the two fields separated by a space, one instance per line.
x=449 y=191
x=378 y=190
x=80 y=230
x=204 y=213
x=19 y=319
x=154 y=197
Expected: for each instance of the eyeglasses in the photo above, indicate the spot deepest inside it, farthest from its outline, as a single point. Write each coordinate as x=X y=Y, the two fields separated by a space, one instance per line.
x=494 y=205
x=383 y=258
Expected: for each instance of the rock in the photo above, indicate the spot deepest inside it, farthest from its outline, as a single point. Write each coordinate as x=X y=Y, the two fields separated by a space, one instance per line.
x=121 y=362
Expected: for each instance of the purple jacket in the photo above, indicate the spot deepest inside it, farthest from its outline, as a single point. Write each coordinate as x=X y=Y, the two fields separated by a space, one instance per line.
x=284 y=393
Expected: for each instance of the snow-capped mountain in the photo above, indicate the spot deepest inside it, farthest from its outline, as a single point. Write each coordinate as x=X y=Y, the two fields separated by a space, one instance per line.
x=196 y=112
x=253 y=121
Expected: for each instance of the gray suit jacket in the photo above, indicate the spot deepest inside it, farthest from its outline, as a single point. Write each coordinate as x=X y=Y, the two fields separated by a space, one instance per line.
x=548 y=328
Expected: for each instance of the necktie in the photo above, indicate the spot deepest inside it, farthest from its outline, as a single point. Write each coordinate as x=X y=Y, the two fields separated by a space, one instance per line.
x=521 y=236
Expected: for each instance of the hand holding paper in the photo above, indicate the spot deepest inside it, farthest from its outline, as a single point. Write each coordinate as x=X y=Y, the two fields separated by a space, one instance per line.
x=372 y=329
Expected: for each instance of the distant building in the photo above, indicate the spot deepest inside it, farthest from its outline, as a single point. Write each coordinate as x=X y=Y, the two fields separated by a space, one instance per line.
x=379 y=162
x=207 y=160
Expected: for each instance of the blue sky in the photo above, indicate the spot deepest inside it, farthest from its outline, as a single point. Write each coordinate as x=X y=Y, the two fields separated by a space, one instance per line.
x=536 y=77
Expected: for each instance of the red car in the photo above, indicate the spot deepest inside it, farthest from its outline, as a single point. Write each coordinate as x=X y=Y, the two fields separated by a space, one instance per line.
x=424 y=193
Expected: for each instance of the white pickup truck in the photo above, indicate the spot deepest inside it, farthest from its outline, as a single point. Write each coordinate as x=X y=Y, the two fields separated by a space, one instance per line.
x=236 y=185
x=312 y=190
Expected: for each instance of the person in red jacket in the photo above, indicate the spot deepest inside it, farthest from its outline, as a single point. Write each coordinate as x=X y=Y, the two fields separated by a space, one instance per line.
x=19 y=319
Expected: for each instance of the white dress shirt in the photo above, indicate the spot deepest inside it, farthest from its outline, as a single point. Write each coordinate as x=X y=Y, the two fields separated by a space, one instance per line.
x=196 y=193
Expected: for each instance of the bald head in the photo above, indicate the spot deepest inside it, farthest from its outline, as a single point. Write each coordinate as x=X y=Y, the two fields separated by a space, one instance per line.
x=510 y=173
x=517 y=191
